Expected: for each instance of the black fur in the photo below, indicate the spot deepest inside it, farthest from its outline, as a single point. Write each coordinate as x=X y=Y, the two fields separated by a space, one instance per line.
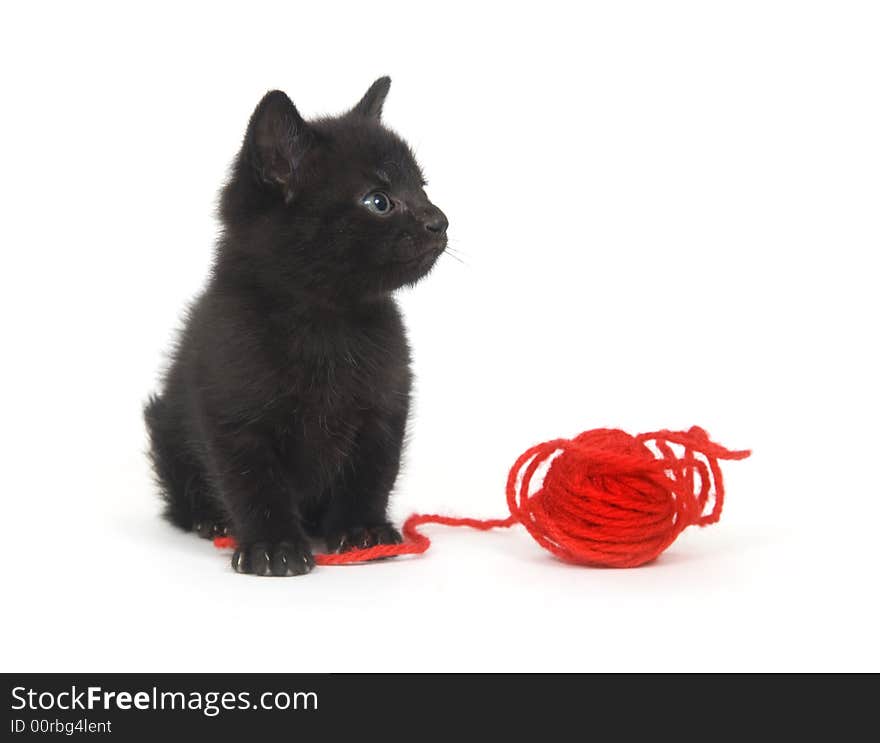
x=282 y=414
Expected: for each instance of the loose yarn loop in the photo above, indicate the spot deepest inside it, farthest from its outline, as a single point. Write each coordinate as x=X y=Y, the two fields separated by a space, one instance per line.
x=606 y=499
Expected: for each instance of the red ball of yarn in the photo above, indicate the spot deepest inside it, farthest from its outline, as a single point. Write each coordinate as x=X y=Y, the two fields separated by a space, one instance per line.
x=607 y=498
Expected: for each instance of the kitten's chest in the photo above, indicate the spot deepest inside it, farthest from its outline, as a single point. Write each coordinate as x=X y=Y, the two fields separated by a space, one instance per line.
x=345 y=384
x=340 y=368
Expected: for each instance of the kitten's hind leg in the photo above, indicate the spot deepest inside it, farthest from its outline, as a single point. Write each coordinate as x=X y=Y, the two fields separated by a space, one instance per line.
x=208 y=519
x=189 y=501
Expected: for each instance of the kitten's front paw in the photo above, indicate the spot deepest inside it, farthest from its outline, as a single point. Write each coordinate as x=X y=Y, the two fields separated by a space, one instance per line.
x=281 y=559
x=361 y=537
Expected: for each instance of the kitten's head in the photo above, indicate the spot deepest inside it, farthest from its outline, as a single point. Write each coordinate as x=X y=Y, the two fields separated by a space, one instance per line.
x=335 y=205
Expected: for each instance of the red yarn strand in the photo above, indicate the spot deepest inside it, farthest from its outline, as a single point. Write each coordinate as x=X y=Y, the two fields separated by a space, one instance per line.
x=606 y=498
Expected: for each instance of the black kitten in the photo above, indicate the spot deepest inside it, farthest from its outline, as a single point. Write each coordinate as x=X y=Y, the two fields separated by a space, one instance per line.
x=284 y=408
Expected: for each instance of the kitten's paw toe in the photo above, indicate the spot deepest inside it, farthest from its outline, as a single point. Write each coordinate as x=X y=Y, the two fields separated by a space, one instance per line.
x=279 y=559
x=210 y=529
x=387 y=534
x=362 y=537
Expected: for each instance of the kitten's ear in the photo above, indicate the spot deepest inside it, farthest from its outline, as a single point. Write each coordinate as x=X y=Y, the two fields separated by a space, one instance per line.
x=371 y=104
x=277 y=139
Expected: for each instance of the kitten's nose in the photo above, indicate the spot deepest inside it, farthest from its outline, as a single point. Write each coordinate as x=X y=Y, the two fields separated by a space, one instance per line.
x=435 y=221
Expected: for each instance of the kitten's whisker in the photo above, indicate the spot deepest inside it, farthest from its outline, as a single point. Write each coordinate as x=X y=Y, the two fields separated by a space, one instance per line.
x=452 y=254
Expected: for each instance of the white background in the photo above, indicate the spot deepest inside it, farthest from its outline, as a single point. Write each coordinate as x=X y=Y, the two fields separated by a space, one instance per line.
x=668 y=215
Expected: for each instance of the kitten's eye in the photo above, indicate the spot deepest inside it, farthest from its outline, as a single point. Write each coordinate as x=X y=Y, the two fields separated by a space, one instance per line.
x=378 y=202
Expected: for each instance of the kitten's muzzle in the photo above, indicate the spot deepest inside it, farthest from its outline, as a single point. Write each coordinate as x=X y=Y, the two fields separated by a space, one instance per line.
x=435 y=221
